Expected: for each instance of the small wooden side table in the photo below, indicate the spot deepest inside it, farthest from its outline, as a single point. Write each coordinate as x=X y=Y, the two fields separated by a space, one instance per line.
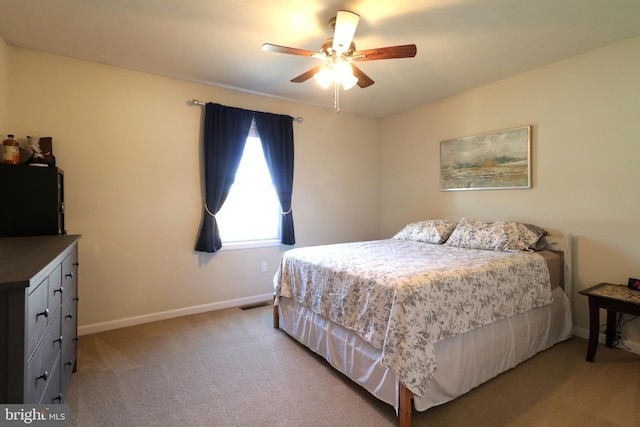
x=613 y=298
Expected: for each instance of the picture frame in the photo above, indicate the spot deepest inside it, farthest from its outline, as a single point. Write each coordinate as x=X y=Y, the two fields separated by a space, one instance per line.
x=490 y=161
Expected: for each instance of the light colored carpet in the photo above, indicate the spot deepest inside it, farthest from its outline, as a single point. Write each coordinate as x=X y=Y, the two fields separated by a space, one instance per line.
x=231 y=368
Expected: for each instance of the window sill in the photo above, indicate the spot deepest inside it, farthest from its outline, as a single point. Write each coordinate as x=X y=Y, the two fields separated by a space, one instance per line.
x=253 y=244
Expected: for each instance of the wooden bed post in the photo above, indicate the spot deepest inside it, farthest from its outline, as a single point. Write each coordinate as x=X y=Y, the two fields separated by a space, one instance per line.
x=404 y=406
x=276 y=317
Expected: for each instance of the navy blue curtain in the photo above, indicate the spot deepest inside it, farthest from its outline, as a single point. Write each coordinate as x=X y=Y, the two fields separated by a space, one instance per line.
x=225 y=133
x=276 y=135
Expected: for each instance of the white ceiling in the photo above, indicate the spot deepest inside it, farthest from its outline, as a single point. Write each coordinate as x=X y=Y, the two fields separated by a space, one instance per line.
x=461 y=44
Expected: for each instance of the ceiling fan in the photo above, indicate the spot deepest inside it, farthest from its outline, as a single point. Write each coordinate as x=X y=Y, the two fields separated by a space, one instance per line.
x=339 y=53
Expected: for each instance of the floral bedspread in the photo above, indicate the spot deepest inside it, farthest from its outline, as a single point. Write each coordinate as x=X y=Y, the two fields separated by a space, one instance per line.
x=404 y=296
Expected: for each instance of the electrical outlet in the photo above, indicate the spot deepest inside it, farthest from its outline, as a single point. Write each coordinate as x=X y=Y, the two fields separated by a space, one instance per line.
x=263 y=267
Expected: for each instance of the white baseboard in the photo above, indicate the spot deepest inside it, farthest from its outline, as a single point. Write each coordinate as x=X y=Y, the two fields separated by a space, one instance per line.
x=170 y=314
x=634 y=347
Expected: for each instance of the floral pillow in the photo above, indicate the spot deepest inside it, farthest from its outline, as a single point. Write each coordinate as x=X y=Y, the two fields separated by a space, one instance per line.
x=432 y=231
x=506 y=236
x=541 y=244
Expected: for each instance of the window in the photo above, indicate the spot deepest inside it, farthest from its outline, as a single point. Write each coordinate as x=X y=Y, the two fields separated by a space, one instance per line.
x=224 y=131
x=251 y=214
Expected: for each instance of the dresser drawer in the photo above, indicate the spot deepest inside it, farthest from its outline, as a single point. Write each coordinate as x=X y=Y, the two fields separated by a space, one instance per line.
x=69 y=317
x=37 y=315
x=69 y=274
x=52 y=392
x=55 y=289
x=42 y=365
x=43 y=302
x=68 y=358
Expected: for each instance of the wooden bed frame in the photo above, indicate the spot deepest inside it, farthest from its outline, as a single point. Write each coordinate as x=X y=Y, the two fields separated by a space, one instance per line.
x=557 y=244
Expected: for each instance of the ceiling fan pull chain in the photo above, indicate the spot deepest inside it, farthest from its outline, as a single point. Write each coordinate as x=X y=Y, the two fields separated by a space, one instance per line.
x=336 y=97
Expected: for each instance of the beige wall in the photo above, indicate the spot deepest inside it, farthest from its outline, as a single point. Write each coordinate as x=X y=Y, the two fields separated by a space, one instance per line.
x=129 y=145
x=586 y=149
x=4 y=90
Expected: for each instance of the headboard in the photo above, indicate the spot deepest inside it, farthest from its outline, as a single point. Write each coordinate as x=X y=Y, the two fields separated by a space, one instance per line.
x=563 y=244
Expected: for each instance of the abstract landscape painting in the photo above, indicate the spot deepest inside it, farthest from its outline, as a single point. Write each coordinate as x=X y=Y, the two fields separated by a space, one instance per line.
x=490 y=161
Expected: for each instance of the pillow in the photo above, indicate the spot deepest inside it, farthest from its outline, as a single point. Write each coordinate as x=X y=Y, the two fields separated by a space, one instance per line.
x=506 y=236
x=432 y=231
x=541 y=244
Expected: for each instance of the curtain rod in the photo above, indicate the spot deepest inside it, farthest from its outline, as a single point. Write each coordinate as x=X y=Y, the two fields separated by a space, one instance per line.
x=202 y=104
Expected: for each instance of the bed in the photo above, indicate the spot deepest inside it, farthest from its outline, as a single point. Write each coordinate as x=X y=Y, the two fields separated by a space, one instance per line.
x=438 y=309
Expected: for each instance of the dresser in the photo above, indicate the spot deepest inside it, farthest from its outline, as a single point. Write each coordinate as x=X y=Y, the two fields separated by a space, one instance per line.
x=38 y=317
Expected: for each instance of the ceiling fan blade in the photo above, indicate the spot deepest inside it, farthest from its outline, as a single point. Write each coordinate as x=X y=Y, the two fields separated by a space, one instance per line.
x=363 y=79
x=267 y=47
x=403 y=51
x=345 y=28
x=307 y=75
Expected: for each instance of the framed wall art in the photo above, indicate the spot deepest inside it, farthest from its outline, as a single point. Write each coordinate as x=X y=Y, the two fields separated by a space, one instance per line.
x=490 y=161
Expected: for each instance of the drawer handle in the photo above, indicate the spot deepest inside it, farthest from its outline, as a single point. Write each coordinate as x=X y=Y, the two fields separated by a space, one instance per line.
x=44 y=376
x=69 y=316
x=59 y=339
x=45 y=313
x=69 y=363
x=76 y=263
x=76 y=299
x=69 y=274
x=58 y=397
x=76 y=339
x=61 y=290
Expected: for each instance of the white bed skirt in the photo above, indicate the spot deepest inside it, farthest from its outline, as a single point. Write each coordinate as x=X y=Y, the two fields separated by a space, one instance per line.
x=464 y=361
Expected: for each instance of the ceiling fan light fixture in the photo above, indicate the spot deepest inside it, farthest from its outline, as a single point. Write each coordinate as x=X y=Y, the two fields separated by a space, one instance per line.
x=324 y=77
x=349 y=81
x=343 y=73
